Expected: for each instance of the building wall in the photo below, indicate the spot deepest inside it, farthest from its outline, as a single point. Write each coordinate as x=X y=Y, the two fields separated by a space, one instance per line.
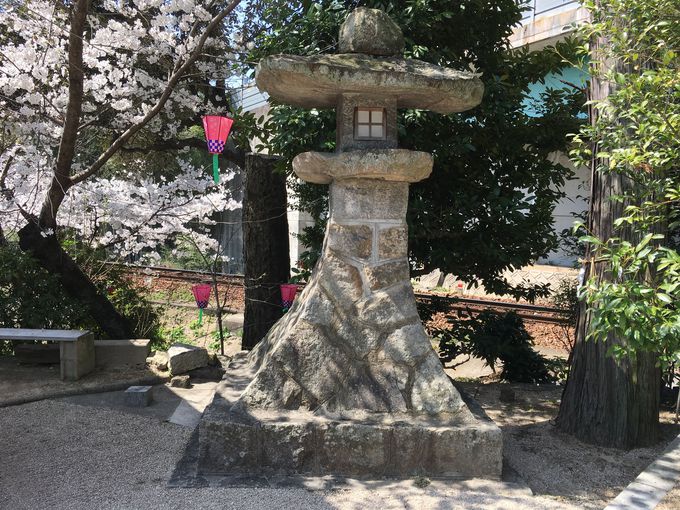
x=547 y=23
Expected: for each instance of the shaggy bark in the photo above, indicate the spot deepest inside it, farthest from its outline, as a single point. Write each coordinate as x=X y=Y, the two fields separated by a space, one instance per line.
x=606 y=401
x=265 y=245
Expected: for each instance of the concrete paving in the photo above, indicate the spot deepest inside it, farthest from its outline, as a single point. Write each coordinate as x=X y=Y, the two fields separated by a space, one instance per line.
x=652 y=485
x=194 y=401
x=181 y=406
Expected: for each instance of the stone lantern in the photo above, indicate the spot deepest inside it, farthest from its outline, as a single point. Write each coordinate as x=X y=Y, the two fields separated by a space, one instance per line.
x=347 y=382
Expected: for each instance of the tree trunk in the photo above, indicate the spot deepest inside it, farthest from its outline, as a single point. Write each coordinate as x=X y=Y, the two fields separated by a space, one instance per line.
x=51 y=256
x=606 y=401
x=265 y=247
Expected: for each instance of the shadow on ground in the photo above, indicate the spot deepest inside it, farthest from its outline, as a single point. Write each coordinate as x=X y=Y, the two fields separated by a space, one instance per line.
x=20 y=383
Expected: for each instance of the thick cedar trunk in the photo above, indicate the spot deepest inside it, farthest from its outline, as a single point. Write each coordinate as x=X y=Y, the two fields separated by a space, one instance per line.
x=265 y=246
x=606 y=401
x=53 y=258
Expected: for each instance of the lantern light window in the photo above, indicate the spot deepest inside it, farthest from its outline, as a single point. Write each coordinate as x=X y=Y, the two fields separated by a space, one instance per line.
x=369 y=124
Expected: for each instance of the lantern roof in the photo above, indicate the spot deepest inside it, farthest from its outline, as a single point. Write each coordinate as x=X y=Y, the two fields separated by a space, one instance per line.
x=368 y=37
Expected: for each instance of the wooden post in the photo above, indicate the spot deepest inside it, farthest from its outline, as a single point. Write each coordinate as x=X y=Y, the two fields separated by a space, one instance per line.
x=265 y=246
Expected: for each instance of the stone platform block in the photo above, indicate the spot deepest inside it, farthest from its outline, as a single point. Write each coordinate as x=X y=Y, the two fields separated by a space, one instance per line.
x=236 y=440
x=77 y=357
x=138 y=396
x=120 y=353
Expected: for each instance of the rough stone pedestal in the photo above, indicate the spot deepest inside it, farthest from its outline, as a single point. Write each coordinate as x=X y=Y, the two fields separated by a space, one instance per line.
x=265 y=442
x=347 y=382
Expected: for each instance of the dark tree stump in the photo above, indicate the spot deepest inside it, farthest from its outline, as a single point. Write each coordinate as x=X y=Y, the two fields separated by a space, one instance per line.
x=265 y=247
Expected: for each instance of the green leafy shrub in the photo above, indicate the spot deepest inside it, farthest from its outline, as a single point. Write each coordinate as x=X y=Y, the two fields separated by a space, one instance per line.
x=30 y=297
x=493 y=338
x=127 y=298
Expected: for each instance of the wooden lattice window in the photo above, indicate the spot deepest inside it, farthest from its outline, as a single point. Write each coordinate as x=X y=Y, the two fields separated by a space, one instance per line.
x=369 y=123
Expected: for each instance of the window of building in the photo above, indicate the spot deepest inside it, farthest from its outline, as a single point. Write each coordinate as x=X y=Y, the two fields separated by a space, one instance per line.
x=369 y=124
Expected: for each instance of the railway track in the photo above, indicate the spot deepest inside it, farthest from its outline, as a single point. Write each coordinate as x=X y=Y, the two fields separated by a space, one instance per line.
x=184 y=275
x=529 y=312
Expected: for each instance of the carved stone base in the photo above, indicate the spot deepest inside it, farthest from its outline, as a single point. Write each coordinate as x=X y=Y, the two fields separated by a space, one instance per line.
x=353 y=340
x=233 y=441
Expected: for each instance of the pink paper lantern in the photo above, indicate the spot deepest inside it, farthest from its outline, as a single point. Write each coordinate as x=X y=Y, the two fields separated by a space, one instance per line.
x=288 y=291
x=202 y=296
x=216 y=133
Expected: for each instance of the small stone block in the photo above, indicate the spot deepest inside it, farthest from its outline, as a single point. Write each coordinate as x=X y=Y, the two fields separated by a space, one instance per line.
x=351 y=240
x=180 y=381
x=138 y=396
x=392 y=243
x=185 y=357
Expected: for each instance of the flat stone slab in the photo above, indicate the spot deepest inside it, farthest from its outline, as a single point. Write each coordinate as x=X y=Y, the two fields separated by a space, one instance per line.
x=318 y=81
x=117 y=353
x=399 y=165
x=652 y=485
x=237 y=441
x=51 y=335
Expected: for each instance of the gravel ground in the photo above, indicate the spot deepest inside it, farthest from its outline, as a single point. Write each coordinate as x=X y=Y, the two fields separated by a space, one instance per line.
x=556 y=464
x=57 y=455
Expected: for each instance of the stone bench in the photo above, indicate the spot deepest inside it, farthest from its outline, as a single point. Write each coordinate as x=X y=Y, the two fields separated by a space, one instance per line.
x=76 y=348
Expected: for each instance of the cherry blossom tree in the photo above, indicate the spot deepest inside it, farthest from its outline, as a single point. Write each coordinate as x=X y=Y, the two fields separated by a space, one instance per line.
x=85 y=86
